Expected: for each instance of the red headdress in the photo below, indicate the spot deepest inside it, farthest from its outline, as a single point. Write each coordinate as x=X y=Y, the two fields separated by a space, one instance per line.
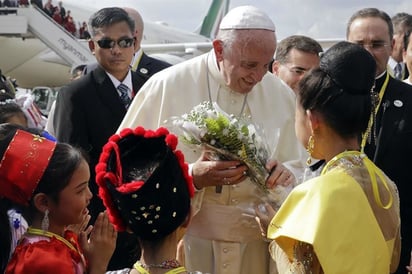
x=144 y=182
x=23 y=164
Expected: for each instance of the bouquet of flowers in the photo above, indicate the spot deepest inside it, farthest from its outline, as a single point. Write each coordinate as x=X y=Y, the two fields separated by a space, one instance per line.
x=227 y=138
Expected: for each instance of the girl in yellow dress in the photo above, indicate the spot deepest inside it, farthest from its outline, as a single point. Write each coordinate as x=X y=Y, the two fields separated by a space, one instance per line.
x=347 y=219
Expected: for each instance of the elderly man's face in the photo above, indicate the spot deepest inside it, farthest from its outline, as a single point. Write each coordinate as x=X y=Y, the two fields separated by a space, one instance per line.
x=246 y=62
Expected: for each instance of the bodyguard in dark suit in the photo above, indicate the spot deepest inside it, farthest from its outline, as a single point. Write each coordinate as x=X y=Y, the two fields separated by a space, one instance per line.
x=142 y=63
x=89 y=110
x=146 y=66
x=392 y=148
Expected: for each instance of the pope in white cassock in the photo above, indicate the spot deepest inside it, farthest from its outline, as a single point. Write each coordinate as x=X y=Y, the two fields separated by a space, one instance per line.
x=223 y=237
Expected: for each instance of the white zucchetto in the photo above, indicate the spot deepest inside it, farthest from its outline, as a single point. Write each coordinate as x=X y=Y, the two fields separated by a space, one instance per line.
x=246 y=17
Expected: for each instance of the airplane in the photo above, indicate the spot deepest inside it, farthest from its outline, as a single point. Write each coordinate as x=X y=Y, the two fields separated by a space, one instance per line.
x=32 y=63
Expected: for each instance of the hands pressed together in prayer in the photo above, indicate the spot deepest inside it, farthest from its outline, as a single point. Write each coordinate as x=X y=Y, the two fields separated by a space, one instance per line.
x=98 y=242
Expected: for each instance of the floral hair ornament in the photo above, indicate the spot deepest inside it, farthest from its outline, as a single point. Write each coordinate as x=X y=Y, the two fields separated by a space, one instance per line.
x=144 y=182
x=23 y=164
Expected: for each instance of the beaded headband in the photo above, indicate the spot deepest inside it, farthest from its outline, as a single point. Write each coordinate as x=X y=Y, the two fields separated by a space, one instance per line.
x=23 y=164
x=144 y=182
x=8 y=101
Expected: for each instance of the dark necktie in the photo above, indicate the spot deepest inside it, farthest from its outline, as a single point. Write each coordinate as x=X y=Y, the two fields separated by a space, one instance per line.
x=124 y=95
x=398 y=71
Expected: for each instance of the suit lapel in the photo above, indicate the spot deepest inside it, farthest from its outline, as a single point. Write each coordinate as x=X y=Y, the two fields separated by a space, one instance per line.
x=144 y=69
x=108 y=93
x=137 y=82
x=391 y=117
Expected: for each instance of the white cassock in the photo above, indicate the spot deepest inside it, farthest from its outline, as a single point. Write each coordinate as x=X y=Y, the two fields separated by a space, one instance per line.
x=221 y=237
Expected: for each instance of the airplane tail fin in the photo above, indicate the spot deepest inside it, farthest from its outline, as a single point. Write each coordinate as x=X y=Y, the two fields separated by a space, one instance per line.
x=216 y=12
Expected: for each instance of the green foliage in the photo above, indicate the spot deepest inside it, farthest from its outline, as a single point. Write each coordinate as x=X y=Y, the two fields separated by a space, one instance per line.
x=234 y=138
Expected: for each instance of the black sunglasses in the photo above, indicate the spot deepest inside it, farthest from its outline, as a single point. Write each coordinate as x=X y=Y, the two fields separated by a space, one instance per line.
x=109 y=43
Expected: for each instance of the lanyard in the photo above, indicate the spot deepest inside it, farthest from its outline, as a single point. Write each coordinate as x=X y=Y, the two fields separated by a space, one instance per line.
x=370 y=124
x=372 y=170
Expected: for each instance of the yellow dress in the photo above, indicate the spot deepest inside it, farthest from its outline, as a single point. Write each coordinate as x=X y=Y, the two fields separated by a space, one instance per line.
x=344 y=221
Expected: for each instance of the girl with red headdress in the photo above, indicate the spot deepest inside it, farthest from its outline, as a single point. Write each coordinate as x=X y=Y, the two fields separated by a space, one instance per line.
x=49 y=181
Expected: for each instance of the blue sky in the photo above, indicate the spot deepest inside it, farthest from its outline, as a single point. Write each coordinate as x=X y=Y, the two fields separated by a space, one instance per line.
x=316 y=18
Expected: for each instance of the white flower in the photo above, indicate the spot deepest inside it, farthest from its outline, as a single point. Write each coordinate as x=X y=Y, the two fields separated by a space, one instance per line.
x=226 y=135
x=211 y=114
x=252 y=129
x=190 y=129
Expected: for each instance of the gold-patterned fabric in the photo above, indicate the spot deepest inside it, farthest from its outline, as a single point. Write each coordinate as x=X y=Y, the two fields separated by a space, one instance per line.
x=346 y=220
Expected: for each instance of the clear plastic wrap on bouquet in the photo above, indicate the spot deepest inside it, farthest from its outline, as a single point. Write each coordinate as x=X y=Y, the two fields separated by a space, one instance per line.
x=226 y=137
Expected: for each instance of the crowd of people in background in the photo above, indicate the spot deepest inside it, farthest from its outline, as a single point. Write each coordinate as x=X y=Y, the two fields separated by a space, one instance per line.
x=57 y=12
x=65 y=19
x=342 y=157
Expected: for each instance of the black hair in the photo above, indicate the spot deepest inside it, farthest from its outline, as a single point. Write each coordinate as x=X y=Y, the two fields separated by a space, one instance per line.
x=340 y=89
x=107 y=17
x=299 y=42
x=8 y=108
x=5 y=204
x=5 y=232
x=7 y=85
x=64 y=161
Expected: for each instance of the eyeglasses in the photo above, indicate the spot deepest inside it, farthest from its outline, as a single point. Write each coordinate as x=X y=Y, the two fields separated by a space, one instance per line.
x=109 y=43
x=374 y=45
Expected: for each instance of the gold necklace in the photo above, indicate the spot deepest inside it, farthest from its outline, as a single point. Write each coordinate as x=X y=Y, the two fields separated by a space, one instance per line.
x=48 y=234
x=173 y=265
